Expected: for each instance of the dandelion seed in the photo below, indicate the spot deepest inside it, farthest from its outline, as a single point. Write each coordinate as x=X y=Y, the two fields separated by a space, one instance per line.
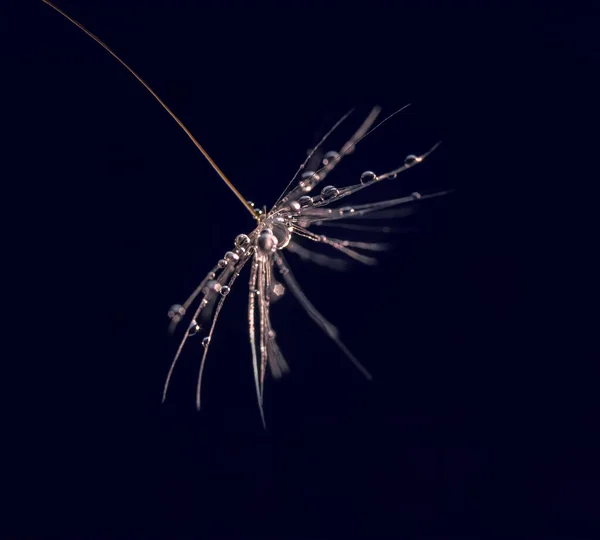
x=284 y=226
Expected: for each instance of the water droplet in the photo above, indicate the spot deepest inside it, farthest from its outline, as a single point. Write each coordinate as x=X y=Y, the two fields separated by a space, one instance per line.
x=225 y=290
x=329 y=192
x=206 y=342
x=367 y=176
x=393 y=176
x=305 y=200
x=222 y=263
x=176 y=312
x=211 y=286
x=282 y=233
x=411 y=160
x=271 y=334
x=416 y=195
x=309 y=180
x=242 y=240
x=267 y=242
x=231 y=257
x=295 y=206
x=194 y=328
x=330 y=157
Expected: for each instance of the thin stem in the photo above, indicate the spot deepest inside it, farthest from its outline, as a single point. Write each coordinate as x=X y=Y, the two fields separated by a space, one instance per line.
x=179 y=122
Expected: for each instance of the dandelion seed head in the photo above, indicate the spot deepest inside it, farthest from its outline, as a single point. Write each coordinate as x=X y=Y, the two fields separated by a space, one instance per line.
x=294 y=213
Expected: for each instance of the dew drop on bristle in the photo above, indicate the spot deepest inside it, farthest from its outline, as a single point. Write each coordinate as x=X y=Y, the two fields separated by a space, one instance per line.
x=367 y=176
x=231 y=257
x=329 y=192
x=194 y=328
x=222 y=263
x=410 y=160
x=176 y=312
x=305 y=200
x=295 y=206
x=224 y=290
x=242 y=240
x=281 y=232
x=416 y=195
x=308 y=180
x=211 y=286
x=205 y=341
x=267 y=242
x=330 y=156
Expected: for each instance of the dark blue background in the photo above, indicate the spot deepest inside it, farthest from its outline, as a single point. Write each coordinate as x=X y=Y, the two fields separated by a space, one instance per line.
x=481 y=415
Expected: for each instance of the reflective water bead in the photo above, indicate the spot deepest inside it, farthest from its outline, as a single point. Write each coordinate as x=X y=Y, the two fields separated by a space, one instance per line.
x=242 y=240
x=222 y=263
x=329 y=192
x=416 y=195
x=330 y=156
x=309 y=180
x=225 y=290
x=305 y=200
x=295 y=206
x=211 y=286
x=266 y=241
x=231 y=257
x=282 y=232
x=194 y=328
x=411 y=159
x=205 y=341
x=367 y=176
x=176 y=312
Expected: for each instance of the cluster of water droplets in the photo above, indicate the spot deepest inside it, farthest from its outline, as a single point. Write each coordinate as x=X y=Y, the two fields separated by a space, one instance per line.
x=277 y=230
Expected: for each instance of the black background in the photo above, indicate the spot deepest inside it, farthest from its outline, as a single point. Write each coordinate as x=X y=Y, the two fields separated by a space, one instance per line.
x=481 y=417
